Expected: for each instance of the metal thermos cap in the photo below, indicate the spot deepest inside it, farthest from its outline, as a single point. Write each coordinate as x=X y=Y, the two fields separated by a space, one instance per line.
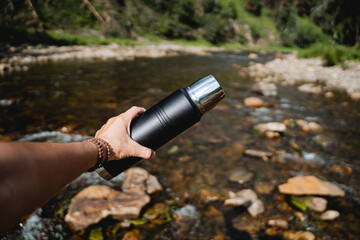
x=206 y=93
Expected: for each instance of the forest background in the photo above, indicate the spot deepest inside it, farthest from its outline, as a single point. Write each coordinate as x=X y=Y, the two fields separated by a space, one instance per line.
x=327 y=28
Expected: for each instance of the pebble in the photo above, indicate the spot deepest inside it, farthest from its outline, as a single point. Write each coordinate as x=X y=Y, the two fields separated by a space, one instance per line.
x=254 y=102
x=341 y=169
x=240 y=176
x=310 y=88
x=308 y=126
x=329 y=215
x=244 y=197
x=270 y=127
x=299 y=235
x=256 y=208
x=278 y=223
x=253 y=56
x=258 y=153
x=318 y=204
x=264 y=88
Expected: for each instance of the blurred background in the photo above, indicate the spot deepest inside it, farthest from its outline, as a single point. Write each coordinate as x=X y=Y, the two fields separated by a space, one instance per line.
x=291 y=73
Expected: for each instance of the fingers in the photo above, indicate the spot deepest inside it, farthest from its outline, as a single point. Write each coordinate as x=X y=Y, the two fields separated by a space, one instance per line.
x=143 y=152
x=133 y=112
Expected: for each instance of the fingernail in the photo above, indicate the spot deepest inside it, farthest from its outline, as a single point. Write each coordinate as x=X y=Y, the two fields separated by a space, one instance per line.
x=153 y=154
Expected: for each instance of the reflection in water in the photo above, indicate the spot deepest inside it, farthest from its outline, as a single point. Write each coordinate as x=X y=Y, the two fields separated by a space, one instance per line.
x=68 y=101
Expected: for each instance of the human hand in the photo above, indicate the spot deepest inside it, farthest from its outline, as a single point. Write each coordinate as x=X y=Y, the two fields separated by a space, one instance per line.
x=116 y=132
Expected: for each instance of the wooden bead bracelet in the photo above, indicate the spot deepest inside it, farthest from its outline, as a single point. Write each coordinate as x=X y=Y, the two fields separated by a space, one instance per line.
x=104 y=151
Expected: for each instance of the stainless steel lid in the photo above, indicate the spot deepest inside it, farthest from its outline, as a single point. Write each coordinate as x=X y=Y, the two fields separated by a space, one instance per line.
x=206 y=93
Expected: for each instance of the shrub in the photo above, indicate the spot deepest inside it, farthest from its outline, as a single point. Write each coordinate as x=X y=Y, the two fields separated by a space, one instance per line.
x=307 y=33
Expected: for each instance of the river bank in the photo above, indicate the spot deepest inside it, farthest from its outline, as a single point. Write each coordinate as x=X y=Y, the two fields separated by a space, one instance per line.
x=290 y=70
x=285 y=69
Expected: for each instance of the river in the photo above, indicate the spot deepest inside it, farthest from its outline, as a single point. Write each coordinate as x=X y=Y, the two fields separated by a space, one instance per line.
x=67 y=101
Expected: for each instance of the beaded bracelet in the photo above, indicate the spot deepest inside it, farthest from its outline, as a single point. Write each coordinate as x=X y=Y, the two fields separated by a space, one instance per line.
x=103 y=156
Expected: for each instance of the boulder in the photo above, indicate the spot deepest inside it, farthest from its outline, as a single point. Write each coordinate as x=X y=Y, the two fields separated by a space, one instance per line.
x=140 y=179
x=329 y=215
x=270 y=127
x=310 y=185
x=95 y=203
x=265 y=89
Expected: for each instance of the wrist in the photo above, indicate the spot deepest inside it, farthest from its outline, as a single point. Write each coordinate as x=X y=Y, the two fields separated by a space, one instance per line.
x=103 y=150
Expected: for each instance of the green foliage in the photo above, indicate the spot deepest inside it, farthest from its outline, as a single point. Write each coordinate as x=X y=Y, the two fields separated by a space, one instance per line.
x=331 y=54
x=254 y=7
x=307 y=33
x=96 y=234
x=302 y=203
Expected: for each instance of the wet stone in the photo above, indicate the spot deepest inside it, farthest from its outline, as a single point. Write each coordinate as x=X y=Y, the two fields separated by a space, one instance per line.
x=207 y=195
x=256 y=208
x=244 y=198
x=240 y=176
x=310 y=88
x=141 y=180
x=310 y=185
x=257 y=153
x=329 y=215
x=299 y=235
x=308 y=126
x=265 y=89
x=95 y=203
x=270 y=127
x=341 y=170
x=186 y=221
x=318 y=204
x=278 y=224
x=254 y=102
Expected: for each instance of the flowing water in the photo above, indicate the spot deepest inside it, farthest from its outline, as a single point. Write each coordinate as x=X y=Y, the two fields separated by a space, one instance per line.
x=68 y=101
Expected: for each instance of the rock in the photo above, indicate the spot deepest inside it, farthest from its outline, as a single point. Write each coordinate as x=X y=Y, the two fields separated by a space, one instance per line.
x=158 y=214
x=240 y=176
x=186 y=220
x=256 y=208
x=213 y=212
x=310 y=88
x=318 y=204
x=271 y=232
x=264 y=187
x=253 y=56
x=341 y=170
x=208 y=196
x=329 y=94
x=95 y=203
x=299 y=215
x=244 y=198
x=174 y=149
x=258 y=153
x=310 y=185
x=329 y=215
x=278 y=224
x=132 y=235
x=270 y=127
x=299 y=235
x=184 y=158
x=140 y=179
x=265 y=89
x=254 y=102
x=355 y=95
x=270 y=134
x=308 y=126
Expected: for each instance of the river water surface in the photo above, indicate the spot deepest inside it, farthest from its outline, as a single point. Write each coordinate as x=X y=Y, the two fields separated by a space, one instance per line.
x=68 y=101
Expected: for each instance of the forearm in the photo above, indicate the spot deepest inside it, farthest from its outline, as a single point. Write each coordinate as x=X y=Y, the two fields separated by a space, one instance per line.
x=31 y=173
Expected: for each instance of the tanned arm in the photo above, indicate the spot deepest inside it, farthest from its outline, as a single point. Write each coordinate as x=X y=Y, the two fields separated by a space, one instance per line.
x=32 y=173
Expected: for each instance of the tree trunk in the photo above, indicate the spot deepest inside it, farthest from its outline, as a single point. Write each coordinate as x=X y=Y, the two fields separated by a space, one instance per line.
x=94 y=12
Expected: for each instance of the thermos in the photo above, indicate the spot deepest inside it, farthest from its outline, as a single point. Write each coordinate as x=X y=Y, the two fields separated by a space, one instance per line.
x=167 y=119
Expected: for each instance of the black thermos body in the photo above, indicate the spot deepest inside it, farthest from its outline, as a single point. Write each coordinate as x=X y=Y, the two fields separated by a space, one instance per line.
x=167 y=119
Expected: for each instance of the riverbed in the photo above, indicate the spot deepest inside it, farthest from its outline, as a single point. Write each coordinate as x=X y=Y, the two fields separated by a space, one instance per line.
x=68 y=100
